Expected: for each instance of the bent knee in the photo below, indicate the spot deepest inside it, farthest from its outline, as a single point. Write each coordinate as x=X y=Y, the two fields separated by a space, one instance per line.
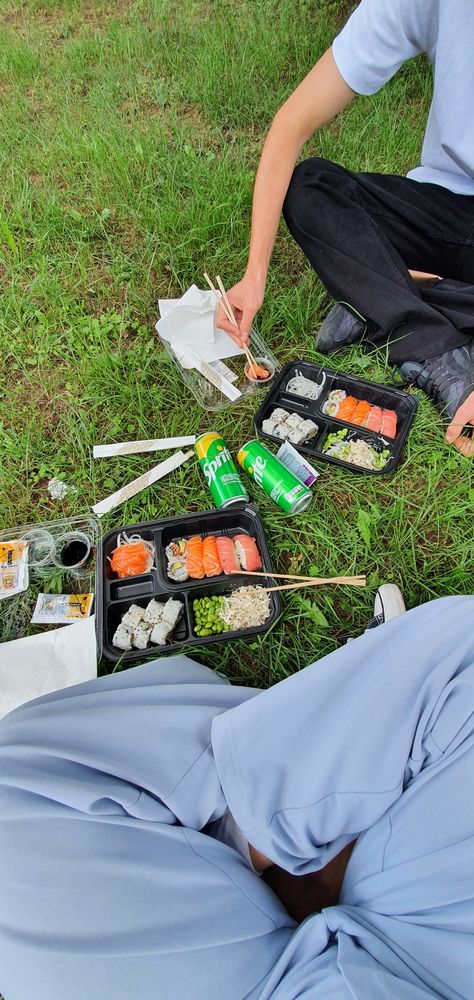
x=310 y=176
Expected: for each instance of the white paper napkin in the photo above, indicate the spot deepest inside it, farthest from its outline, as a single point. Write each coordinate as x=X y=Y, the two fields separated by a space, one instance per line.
x=190 y=321
x=48 y=662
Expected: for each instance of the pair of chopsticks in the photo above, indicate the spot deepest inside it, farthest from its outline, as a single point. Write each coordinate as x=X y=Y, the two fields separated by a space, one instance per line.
x=304 y=581
x=223 y=300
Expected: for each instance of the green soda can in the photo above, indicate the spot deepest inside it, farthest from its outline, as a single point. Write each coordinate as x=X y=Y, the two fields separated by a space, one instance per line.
x=219 y=470
x=275 y=479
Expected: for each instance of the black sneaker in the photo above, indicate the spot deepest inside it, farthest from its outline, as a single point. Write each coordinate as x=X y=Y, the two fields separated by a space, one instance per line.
x=388 y=604
x=448 y=378
x=339 y=329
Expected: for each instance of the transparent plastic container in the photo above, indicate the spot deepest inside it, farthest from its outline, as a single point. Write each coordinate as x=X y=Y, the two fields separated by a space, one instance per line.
x=211 y=398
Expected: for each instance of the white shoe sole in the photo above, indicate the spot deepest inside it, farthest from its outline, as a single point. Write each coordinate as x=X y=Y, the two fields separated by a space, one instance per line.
x=388 y=602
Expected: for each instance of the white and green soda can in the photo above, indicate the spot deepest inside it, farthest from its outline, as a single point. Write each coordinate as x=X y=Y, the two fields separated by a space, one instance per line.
x=275 y=479
x=220 y=471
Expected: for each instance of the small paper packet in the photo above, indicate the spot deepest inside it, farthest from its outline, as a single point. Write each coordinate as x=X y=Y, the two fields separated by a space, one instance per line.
x=13 y=568
x=61 y=609
x=299 y=466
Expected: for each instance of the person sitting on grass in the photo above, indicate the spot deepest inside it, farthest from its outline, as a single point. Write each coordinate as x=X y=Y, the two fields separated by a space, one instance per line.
x=369 y=236
x=138 y=811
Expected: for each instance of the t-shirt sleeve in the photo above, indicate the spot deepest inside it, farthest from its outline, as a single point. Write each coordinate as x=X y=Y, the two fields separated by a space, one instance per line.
x=378 y=38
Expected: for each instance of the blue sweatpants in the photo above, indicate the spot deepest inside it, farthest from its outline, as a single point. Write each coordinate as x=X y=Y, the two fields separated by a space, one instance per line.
x=108 y=889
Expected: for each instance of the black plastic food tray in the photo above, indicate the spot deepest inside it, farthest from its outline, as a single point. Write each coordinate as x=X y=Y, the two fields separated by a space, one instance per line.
x=114 y=596
x=374 y=392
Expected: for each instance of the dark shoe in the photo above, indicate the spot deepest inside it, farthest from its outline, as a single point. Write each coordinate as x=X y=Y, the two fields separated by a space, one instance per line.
x=388 y=604
x=339 y=329
x=448 y=378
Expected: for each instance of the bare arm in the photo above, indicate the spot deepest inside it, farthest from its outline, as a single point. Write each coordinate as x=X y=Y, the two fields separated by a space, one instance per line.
x=320 y=96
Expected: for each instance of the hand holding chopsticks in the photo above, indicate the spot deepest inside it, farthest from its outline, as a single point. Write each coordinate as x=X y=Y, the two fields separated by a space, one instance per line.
x=304 y=581
x=223 y=301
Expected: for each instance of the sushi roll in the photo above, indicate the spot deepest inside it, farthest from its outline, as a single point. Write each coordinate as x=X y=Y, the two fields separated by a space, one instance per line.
x=279 y=415
x=280 y=431
x=227 y=555
x=373 y=420
x=132 y=618
x=194 y=558
x=307 y=430
x=122 y=638
x=160 y=633
x=268 y=426
x=176 y=555
x=360 y=412
x=294 y=422
x=172 y=612
x=247 y=552
x=331 y=405
x=347 y=408
x=142 y=637
x=210 y=557
x=153 y=612
x=389 y=423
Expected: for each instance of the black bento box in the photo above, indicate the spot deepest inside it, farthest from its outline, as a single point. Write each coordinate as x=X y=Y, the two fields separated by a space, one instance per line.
x=387 y=397
x=114 y=595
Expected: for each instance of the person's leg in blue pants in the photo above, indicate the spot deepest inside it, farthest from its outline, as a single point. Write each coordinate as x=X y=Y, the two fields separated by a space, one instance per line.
x=110 y=890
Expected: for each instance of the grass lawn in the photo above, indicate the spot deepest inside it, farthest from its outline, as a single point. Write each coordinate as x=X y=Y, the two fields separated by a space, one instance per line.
x=130 y=136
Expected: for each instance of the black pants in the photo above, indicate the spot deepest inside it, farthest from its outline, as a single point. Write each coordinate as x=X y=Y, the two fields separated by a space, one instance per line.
x=361 y=233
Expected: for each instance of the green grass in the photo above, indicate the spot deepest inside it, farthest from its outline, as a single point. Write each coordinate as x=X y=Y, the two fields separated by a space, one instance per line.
x=130 y=136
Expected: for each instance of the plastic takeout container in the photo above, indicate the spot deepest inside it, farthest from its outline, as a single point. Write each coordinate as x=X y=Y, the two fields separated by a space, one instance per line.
x=384 y=396
x=207 y=395
x=45 y=575
x=114 y=596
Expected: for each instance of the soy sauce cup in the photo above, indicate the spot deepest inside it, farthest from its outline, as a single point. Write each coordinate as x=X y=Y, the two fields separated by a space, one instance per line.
x=40 y=547
x=265 y=363
x=72 y=551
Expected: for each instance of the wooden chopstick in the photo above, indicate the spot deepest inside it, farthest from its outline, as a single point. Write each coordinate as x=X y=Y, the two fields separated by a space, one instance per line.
x=344 y=581
x=289 y=576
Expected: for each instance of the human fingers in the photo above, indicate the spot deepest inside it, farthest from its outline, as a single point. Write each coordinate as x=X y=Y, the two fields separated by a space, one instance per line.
x=248 y=314
x=465 y=445
x=464 y=415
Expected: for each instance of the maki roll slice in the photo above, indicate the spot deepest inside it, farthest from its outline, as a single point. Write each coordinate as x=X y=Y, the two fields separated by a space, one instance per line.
x=331 y=405
x=132 y=618
x=142 y=637
x=176 y=555
x=122 y=638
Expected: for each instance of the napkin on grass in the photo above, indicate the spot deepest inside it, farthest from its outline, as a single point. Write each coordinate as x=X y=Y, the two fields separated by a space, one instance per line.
x=190 y=321
x=46 y=662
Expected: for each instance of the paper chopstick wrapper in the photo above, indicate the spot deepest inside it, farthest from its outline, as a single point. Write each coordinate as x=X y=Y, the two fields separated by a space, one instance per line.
x=189 y=358
x=137 y=485
x=135 y=447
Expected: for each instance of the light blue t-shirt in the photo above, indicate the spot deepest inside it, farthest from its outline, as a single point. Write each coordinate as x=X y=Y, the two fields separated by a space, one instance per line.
x=381 y=35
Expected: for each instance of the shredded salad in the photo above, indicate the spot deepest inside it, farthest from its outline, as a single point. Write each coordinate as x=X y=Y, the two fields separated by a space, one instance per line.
x=355 y=450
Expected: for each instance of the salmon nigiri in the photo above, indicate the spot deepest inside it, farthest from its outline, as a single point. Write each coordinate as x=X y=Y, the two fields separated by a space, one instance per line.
x=247 y=552
x=346 y=408
x=227 y=556
x=210 y=557
x=194 y=558
x=389 y=423
x=360 y=412
x=373 y=420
